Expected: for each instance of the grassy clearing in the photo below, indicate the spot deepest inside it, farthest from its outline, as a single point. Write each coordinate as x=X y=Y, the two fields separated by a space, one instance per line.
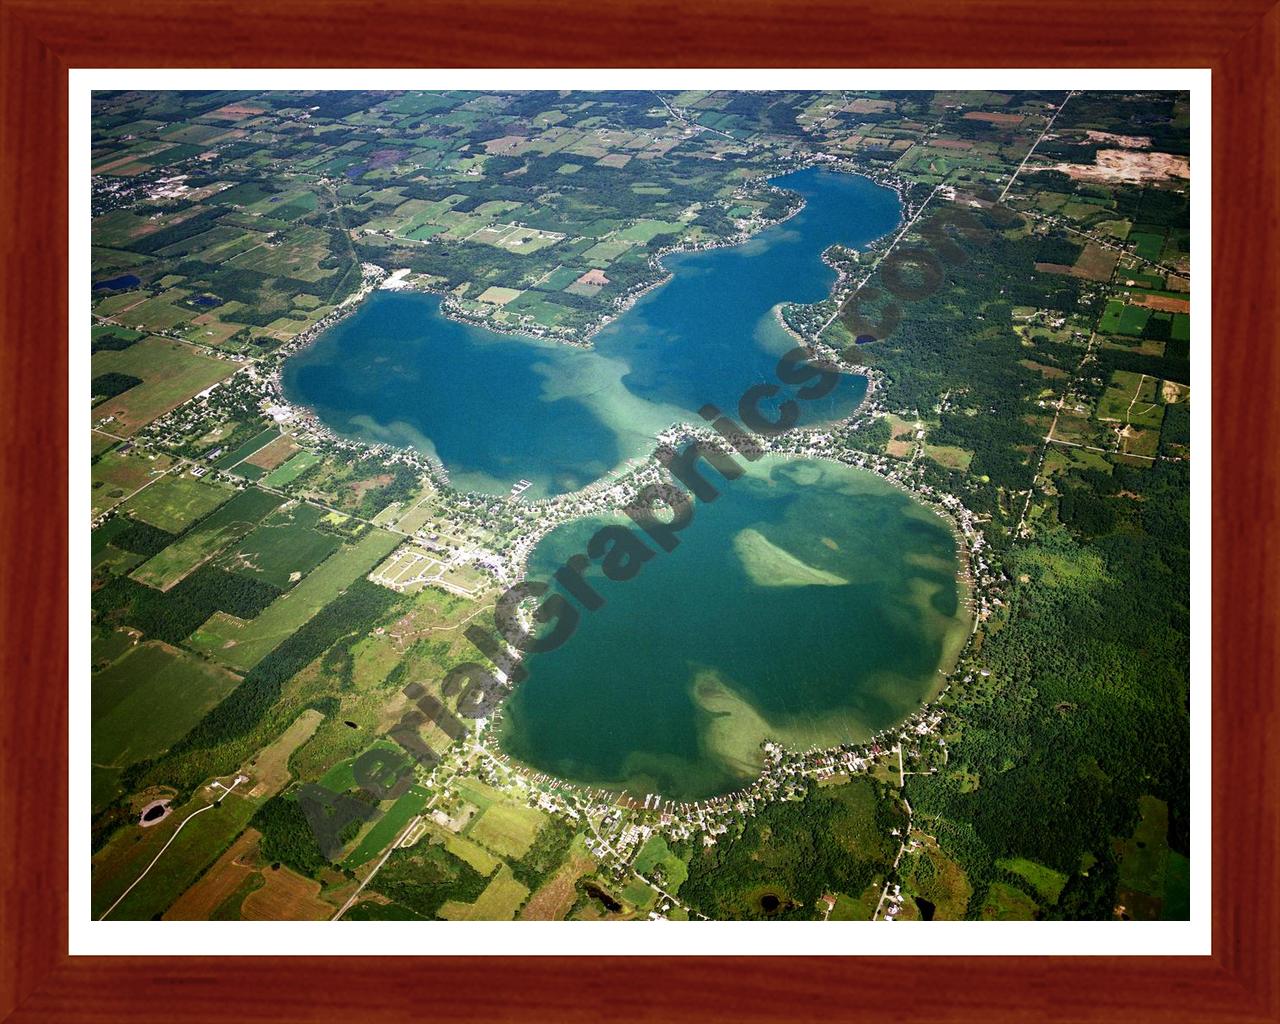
x=291 y=470
x=1133 y=401
x=500 y=900
x=104 y=786
x=849 y=909
x=1006 y=903
x=115 y=476
x=1047 y=882
x=271 y=765
x=478 y=857
x=476 y=792
x=656 y=862
x=200 y=843
x=1154 y=881
x=506 y=829
x=176 y=501
x=931 y=875
x=949 y=456
x=639 y=894
x=1060 y=460
x=556 y=897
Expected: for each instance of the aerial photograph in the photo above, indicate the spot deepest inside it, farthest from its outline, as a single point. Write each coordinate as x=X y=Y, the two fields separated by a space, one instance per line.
x=699 y=505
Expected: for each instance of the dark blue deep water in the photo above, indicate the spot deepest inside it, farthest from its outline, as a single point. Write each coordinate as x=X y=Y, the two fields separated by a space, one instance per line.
x=123 y=281
x=498 y=408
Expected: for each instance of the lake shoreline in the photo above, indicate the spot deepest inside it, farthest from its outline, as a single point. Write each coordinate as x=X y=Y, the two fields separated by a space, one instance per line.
x=967 y=540
x=554 y=511
x=374 y=277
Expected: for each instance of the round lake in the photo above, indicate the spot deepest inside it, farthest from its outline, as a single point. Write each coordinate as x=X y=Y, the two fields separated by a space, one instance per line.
x=811 y=603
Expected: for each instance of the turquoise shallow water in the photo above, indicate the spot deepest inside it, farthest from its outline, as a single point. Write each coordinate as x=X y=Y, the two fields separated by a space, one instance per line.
x=497 y=408
x=811 y=603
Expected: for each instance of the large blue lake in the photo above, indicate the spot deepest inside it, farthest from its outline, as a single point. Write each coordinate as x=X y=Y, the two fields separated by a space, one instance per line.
x=498 y=408
x=811 y=603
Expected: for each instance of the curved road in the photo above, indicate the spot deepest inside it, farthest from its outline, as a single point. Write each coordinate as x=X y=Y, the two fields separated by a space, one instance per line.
x=166 y=846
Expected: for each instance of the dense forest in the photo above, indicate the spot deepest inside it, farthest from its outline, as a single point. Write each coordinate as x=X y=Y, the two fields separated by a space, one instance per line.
x=1086 y=706
x=958 y=341
x=175 y=614
x=789 y=853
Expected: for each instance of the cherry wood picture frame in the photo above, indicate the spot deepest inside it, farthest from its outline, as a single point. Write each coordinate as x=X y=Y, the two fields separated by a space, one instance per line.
x=41 y=39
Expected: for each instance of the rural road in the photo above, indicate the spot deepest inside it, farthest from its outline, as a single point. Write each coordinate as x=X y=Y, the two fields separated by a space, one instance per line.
x=166 y=846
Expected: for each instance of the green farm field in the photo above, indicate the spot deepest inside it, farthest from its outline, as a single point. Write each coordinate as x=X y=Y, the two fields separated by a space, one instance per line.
x=646 y=230
x=176 y=501
x=150 y=698
x=241 y=645
x=100 y=444
x=259 y=440
x=386 y=828
x=506 y=829
x=1147 y=244
x=340 y=778
x=284 y=548
x=233 y=520
x=171 y=372
x=1119 y=318
x=292 y=469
